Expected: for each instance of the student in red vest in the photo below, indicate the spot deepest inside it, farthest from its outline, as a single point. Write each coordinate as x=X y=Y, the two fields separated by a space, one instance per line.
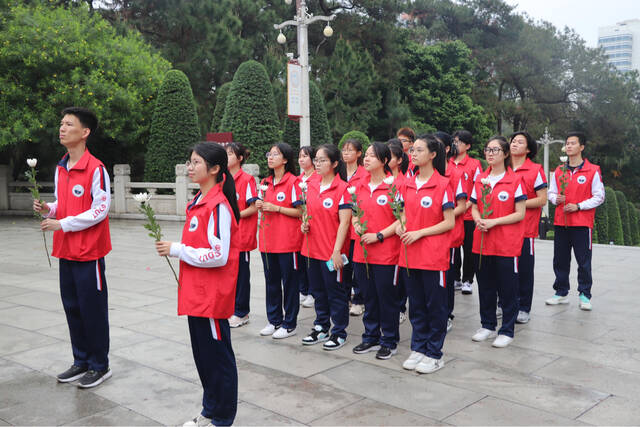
x=209 y=257
x=377 y=272
x=472 y=168
x=247 y=195
x=279 y=241
x=500 y=247
x=307 y=174
x=424 y=254
x=352 y=157
x=575 y=213
x=524 y=148
x=329 y=206
x=407 y=137
x=81 y=240
x=457 y=179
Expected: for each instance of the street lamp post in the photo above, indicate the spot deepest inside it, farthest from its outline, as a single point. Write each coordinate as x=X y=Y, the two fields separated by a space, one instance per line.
x=302 y=21
x=546 y=141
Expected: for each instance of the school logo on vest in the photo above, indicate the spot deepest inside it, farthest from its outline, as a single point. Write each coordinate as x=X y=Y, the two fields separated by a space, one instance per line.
x=77 y=190
x=426 y=202
x=582 y=179
x=193 y=225
x=327 y=203
x=280 y=196
x=382 y=200
x=503 y=196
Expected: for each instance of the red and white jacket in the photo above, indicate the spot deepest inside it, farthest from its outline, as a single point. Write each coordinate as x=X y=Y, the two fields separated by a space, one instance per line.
x=83 y=198
x=209 y=257
x=534 y=179
x=457 y=180
x=472 y=168
x=280 y=233
x=246 y=194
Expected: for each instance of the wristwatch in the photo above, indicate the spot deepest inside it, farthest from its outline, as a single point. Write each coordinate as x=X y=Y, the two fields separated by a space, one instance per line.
x=380 y=237
x=578 y=205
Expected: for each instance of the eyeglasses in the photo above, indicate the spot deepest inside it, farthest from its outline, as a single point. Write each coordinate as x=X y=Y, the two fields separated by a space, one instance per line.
x=348 y=150
x=320 y=161
x=194 y=163
x=269 y=155
x=403 y=140
x=494 y=150
x=416 y=150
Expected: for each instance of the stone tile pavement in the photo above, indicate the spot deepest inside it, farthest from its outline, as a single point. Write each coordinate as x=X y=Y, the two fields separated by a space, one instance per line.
x=565 y=367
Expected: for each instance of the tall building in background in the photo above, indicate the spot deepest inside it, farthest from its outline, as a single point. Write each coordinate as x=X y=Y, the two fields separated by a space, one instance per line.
x=621 y=44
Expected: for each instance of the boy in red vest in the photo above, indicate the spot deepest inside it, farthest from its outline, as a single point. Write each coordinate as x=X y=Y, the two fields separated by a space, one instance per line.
x=575 y=212
x=79 y=220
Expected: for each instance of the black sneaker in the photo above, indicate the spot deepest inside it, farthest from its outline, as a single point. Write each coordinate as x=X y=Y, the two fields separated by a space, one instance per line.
x=317 y=335
x=93 y=378
x=385 y=353
x=334 y=343
x=366 y=347
x=71 y=374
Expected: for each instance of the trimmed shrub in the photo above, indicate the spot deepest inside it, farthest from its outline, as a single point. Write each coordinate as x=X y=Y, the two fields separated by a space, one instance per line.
x=174 y=128
x=218 y=112
x=320 y=132
x=613 y=213
x=634 y=224
x=356 y=134
x=623 y=205
x=250 y=112
x=601 y=224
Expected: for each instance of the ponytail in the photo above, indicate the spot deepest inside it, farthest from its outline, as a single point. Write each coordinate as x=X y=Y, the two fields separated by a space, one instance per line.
x=229 y=190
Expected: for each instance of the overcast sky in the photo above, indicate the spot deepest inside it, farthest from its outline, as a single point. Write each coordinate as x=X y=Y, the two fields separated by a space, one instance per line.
x=584 y=16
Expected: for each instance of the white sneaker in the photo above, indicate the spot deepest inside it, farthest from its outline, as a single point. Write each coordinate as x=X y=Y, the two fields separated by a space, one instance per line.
x=403 y=317
x=302 y=298
x=467 y=288
x=283 y=332
x=268 y=330
x=502 y=341
x=356 y=309
x=198 y=421
x=449 y=324
x=308 y=302
x=483 y=334
x=585 y=303
x=523 y=317
x=236 y=322
x=557 y=299
x=428 y=365
x=413 y=360
x=498 y=313
x=457 y=285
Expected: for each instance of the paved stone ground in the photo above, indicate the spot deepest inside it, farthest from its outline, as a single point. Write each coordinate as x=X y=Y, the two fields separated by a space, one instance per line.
x=565 y=367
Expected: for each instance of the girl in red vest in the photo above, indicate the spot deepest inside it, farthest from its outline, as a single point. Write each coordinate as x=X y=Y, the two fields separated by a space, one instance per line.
x=307 y=174
x=328 y=204
x=377 y=272
x=209 y=253
x=503 y=231
x=247 y=195
x=279 y=241
x=524 y=148
x=424 y=254
x=352 y=157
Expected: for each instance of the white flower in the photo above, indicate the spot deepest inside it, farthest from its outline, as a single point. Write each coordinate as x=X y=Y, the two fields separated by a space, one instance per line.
x=32 y=162
x=264 y=187
x=388 y=180
x=142 y=197
x=563 y=159
x=563 y=149
x=485 y=181
x=351 y=190
x=303 y=186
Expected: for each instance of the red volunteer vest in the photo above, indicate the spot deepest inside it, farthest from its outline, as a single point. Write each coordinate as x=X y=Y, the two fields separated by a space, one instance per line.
x=248 y=226
x=280 y=233
x=469 y=165
x=353 y=181
x=578 y=190
x=74 y=197
x=208 y=292
x=456 y=177
x=529 y=172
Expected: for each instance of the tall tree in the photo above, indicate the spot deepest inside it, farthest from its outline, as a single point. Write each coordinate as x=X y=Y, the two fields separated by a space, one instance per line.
x=613 y=213
x=221 y=102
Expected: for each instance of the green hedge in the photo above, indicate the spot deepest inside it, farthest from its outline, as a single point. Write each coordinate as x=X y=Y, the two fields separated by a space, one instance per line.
x=601 y=224
x=218 y=112
x=634 y=222
x=250 y=111
x=320 y=132
x=174 y=128
x=356 y=134
x=613 y=214
x=624 y=216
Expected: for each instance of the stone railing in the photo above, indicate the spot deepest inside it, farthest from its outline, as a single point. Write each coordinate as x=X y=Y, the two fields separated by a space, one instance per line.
x=169 y=203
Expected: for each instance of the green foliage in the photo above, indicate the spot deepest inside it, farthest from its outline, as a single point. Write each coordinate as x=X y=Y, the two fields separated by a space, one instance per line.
x=221 y=102
x=174 y=128
x=613 y=213
x=250 y=111
x=601 y=224
x=52 y=58
x=320 y=133
x=634 y=224
x=356 y=134
x=623 y=205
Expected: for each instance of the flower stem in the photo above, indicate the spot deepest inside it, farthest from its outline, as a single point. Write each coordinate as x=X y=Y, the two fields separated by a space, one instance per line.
x=46 y=249
x=481 y=243
x=174 y=272
x=406 y=260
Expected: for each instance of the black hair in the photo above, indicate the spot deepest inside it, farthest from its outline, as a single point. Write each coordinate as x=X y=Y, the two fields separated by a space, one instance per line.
x=447 y=140
x=334 y=155
x=357 y=145
x=214 y=154
x=86 y=117
x=288 y=154
x=309 y=150
x=504 y=144
x=582 y=138
x=532 y=145
x=239 y=150
x=435 y=146
x=395 y=146
x=464 y=136
x=382 y=153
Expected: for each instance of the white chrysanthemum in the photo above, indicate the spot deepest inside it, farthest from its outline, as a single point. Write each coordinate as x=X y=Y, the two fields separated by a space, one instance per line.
x=142 y=197
x=563 y=159
x=485 y=181
x=388 y=180
x=264 y=187
x=564 y=149
x=32 y=162
x=351 y=190
x=303 y=186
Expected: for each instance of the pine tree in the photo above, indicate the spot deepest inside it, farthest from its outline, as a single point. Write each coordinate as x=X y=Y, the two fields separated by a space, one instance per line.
x=320 y=133
x=623 y=205
x=634 y=221
x=355 y=134
x=174 y=128
x=613 y=213
x=601 y=225
x=218 y=112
